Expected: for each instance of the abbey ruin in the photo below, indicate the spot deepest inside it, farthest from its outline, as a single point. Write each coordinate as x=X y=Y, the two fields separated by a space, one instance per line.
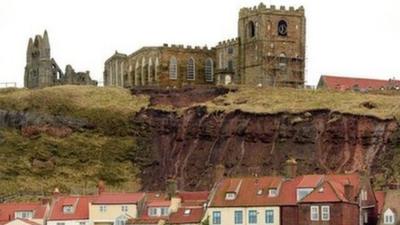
x=269 y=51
x=42 y=71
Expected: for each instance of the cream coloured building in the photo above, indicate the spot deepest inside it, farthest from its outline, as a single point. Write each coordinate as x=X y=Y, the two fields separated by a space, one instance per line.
x=115 y=208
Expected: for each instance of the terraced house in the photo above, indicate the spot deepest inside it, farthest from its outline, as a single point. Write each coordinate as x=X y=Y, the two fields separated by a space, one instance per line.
x=268 y=51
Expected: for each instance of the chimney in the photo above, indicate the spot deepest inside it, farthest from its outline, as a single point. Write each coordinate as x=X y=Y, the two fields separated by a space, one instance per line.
x=219 y=171
x=171 y=187
x=101 y=187
x=291 y=168
x=348 y=191
x=45 y=200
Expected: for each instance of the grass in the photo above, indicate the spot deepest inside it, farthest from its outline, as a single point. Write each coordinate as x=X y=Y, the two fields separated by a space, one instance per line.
x=270 y=100
x=108 y=108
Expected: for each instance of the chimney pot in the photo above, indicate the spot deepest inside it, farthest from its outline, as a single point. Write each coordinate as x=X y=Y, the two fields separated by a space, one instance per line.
x=291 y=168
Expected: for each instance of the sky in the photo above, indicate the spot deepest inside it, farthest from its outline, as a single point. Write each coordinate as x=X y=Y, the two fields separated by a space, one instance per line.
x=358 y=38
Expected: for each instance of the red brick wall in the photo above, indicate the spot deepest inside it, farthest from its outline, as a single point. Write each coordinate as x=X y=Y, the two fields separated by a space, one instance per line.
x=289 y=215
x=340 y=214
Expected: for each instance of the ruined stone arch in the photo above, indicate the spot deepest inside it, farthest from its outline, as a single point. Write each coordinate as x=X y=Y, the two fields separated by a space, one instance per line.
x=173 y=68
x=191 y=69
x=143 y=73
x=137 y=73
x=209 y=70
x=150 y=71
x=156 y=65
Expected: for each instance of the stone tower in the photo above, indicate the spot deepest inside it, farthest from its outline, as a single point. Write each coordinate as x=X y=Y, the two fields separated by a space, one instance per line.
x=272 y=46
x=39 y=70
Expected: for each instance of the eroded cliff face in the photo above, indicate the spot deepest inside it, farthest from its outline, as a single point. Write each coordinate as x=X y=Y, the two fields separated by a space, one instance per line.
x=188 y=147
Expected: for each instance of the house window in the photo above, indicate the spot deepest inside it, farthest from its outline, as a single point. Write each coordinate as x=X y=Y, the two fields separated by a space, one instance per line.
x=187 y=212
x=121 y=220
x=103 y=208
x=252 y=216
x=173 y=69
x=269 y=216
x=314 y=211
x=230 y=50
x=389 y=217
x=164 y=211
x=209 y=70
x=60 y=223
x=152 y=211
x=124 y=208
x=191 y=68
x=238 y=217
x=68 y=209
x=303 y=192
x=24 y=214
x=325 y=213
x=230 y=196
x=272 y=192
x=82 y=223
x=364 y=195
x=216 y=217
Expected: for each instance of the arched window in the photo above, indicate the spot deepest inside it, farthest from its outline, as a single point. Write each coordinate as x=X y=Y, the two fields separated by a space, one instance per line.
x=191 y=68
x=389 y=217
x=282 y=28
x=150 y=71
x=143 y=72
x=173 y=69
x=251 y=29
x=156 y=69
x=282 y=60
x=209 y=70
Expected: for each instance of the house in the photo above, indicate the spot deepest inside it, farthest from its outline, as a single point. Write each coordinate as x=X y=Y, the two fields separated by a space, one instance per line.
x=247 y=200
x=191 y=210
x=23 y=213
x=70 y=210
x=356 y=84
x=115 y=208
x=390 y=211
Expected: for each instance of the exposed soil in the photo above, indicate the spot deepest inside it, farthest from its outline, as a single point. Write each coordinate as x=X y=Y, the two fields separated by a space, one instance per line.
x=188 y=147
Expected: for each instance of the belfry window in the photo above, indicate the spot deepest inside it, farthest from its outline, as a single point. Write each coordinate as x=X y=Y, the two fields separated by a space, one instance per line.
x=251 y=29
x=282 y=28
x=190 y=69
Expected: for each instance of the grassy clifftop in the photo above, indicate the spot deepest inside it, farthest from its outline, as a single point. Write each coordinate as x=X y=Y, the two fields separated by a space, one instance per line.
x=268 y=100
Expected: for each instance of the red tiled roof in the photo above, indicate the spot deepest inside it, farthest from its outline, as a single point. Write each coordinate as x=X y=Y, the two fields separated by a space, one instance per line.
x=194 y=216
x=194 y=196
x=118 y=198
x=310 y=181
x=380 y=199
x=81 y=210
x=7 y=210
x=347 y=83
x=248 y=192
x=159 y=203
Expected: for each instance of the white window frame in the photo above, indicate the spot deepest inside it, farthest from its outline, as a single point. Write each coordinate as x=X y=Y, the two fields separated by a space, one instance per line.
x=314 y=213
x=230 y=196
x=272 y=192
x=164 y=211
x=236 y=217
x=266 y=216
x=325 y=215
x=250 y=216
x=173 y=68
x=24 y=214
x=153 y=211
x=389 y=217
x=124 y=208
x=103 y=208
x=68 y=209
x=214 y=218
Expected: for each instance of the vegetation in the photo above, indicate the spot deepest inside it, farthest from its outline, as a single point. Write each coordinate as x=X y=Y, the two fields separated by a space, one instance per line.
x=270 y=100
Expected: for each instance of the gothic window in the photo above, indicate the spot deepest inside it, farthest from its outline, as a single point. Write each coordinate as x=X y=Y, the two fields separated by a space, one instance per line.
x=173 y=69
x=191 y=69
x=137 y=75
x=230 y=50
x=209 y=70
x=156 y=69
x=230 y=65
x=251 y=29
x=282 y=28
x=143 y=72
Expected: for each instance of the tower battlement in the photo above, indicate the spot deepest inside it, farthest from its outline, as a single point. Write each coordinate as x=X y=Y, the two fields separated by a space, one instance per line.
x=187 y=47
x=228 y=42
x=262 y=8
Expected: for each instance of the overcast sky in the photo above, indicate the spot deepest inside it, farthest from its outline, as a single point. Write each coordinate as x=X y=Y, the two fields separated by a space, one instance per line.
x=344 y=37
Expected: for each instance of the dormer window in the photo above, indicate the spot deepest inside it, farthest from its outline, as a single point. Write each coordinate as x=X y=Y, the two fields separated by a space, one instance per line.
x=187 y=212
x=259 y=192
x=230 y=196
x=24 y=214
x=388 y=217
x=303 y=192
x=68 y=209
x=272 y=192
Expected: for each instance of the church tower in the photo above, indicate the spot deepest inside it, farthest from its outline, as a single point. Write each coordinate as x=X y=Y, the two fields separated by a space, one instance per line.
x=272 y=46
x=39 y=71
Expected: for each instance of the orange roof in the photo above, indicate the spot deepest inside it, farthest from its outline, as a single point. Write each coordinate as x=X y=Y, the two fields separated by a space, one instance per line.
x=380 y=199
x=81 y=210
x=347 y=83
x=310 y=181
x=193 y=215
x=253 y=192
x=118 y=198
x=7 y=210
